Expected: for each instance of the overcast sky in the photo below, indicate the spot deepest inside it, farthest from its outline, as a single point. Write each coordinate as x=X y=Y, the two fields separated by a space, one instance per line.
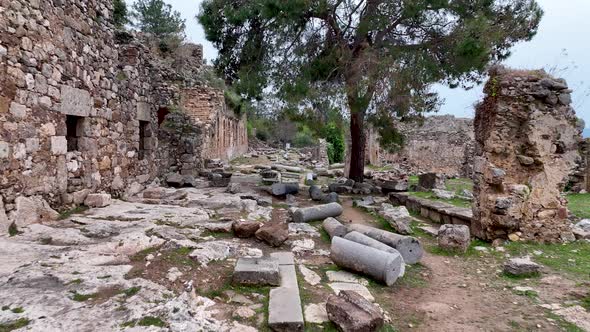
x=561 y=46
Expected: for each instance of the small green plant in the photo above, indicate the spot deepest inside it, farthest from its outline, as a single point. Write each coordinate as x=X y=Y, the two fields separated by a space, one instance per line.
x=129 y=292
x=13 y=230
x=151 y=321
x=18 y=310
x=17 y=324
x=68 y=213
x=83 y=297
x=75 y=282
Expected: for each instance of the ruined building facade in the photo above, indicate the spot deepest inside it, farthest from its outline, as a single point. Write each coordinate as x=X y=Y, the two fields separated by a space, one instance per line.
x=84 y=108
x=441 y=144
x=527 y=145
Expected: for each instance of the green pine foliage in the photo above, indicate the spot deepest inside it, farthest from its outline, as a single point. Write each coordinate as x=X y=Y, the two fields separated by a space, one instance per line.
x=120 y=13
x=371 y=56
x=335 y=138
x=157 y=18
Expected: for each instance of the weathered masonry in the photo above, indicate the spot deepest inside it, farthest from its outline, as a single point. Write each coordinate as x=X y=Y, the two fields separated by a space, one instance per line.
x=442 y=144
x=527 y=143
x=84 y=108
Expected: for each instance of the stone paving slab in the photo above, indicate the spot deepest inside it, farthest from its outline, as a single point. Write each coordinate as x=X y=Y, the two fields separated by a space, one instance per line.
x=284 y=310
x=256 y=271
x=288 y=276
x=283 y=257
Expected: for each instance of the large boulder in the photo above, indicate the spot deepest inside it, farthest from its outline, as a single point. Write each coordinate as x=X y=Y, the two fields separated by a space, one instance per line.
x=398 y=217
x=351 y=312
x=273 y=233
x=32 y=210
x=454 y=237
x=245 y=229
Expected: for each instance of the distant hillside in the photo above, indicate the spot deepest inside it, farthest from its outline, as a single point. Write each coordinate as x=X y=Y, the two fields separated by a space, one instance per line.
x=586 y=133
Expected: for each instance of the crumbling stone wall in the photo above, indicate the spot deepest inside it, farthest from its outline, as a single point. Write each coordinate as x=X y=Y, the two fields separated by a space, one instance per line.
x=81 y=104
x=526 y=146
x=441 y=145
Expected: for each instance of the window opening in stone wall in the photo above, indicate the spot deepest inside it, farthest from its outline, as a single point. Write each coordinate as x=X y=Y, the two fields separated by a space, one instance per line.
x=73 y=125
x=143 y=127
x=162 y=112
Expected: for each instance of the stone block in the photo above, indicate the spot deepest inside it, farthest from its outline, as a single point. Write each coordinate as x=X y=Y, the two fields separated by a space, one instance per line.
x=256 y=272
x=97 y=200
x=143 y=112
x=4 y=150
x=59 y=145
x=75 y=101
x=454 y=237
x=284 y=310
x=351 y=312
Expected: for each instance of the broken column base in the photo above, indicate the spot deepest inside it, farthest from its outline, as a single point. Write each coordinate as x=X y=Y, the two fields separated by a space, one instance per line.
x=349 y=311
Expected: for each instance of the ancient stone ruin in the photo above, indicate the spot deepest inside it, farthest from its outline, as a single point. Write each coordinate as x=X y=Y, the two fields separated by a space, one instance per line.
x=87 y=109
x=441 y=144
x=526 y=147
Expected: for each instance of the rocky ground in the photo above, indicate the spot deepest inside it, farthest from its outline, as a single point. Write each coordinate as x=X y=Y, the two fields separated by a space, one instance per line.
x=164 y=263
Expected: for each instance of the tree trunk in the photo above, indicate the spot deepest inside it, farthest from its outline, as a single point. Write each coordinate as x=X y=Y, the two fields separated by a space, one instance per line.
x=357 y=150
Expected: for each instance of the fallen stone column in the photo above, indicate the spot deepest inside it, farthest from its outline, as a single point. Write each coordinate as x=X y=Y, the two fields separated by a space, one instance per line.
x=282 y=189
x=409 y=247
x=334 y=228
x=380 y=265
x=317 y=212
x=363 y=239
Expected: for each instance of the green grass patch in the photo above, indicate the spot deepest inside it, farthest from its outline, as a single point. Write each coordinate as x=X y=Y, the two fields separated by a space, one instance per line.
x=565 y=325
x=18 y=310
x=585 y=303
x=579 y=205
x=75 y=282
x=140 y=256
x=428 y=195
x=413 y=277
x=572 y=259
x=146 y=321
x=83 y=297
x=17 y=324
x=459 y=184
x=129 y=292
x=68 y=213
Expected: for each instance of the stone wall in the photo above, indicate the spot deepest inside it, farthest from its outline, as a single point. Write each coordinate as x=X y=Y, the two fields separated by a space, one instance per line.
x=526 y=146
x=442 y=144
x=81 y=104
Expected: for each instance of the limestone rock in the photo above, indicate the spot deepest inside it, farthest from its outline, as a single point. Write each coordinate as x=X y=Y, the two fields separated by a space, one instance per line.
x=245 y=229
x=273 y=233
x=454 y=237
x=97 y=200
x=398 y=217
x=521 y=266
x=350 y=312
x=32 y=210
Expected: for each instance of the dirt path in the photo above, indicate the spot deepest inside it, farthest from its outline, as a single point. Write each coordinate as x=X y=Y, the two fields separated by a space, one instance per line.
x=452 y=293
